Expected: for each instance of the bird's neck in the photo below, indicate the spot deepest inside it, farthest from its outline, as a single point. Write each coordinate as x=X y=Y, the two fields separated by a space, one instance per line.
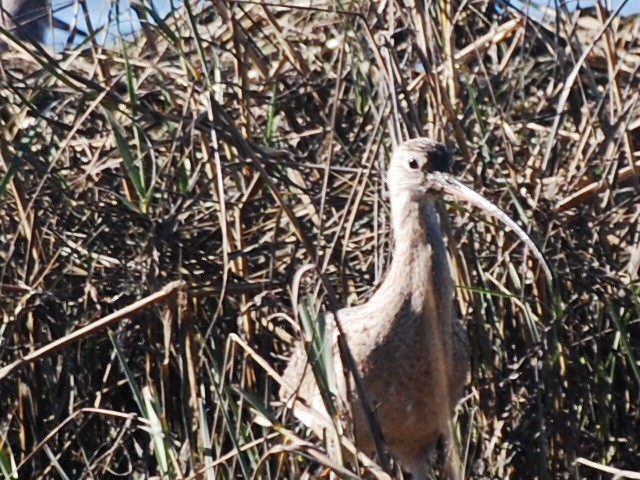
x=419 y=265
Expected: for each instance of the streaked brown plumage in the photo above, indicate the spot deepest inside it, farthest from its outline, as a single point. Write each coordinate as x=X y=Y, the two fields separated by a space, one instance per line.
x=411 y=352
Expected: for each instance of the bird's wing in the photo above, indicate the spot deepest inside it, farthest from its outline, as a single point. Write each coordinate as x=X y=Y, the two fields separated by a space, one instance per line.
x=461 y=361
x=300 y=387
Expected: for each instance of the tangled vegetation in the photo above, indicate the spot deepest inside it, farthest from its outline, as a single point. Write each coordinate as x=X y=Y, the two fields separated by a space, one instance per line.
x=163 y=190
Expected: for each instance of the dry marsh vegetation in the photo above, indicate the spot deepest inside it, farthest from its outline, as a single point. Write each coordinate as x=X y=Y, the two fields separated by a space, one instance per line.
x=230 y=143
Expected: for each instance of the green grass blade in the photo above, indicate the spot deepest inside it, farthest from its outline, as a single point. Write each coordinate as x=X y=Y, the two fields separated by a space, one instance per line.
x=127 y=157
x=8 y=463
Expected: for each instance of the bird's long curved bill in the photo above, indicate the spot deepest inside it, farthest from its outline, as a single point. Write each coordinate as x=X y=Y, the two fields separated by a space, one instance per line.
x=446 y=183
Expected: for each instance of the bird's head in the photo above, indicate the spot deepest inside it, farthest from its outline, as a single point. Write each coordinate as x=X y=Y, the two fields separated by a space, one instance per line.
x=412 y=164
x=420 y=169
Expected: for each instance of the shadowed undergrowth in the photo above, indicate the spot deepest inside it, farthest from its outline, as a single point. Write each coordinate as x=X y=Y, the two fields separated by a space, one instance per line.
x=231 y=143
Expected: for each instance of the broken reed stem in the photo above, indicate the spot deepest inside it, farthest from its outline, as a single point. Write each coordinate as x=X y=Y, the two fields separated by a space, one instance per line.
x=594 y=188
x=93 y=327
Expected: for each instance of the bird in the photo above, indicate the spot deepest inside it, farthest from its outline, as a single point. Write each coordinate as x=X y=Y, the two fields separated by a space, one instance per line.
x=411 y=351
x=27 y=19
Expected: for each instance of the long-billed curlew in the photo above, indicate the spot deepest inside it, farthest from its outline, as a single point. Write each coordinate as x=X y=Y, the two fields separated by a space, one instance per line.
x=411 y=352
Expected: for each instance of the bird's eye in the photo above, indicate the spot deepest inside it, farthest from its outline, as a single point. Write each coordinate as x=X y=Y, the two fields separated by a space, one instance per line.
x=413 y=164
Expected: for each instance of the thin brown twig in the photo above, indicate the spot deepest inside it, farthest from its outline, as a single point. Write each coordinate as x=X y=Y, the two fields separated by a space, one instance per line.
x=93 y=327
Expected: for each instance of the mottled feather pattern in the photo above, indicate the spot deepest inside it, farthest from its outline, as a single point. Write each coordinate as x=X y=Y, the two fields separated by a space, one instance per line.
x=413 y=366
